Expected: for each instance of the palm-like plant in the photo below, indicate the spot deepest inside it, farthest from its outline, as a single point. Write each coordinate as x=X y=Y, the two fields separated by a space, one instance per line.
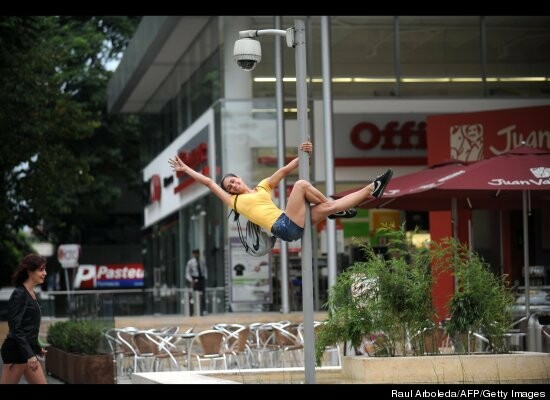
x=482 y=302
x=386 y=299
x=389 y=300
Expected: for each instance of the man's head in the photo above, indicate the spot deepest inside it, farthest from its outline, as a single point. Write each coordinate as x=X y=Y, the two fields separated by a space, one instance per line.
x=196 y=253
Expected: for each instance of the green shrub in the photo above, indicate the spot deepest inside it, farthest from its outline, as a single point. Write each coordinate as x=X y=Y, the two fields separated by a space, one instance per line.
x=482 y=302
x=57 y=334
x=389 y=301
x=81 y=337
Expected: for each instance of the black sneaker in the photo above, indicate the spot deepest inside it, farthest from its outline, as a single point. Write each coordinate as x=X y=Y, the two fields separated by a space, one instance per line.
x=349 y=213
x=380 y=183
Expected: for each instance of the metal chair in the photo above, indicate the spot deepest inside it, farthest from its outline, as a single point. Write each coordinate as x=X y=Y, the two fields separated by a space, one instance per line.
x=238 y=345
x=141 y=358
x=209 y=345
x=289 y=342
x=264 y=349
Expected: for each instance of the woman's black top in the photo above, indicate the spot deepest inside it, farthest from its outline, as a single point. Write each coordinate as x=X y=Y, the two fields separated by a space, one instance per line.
x=24 y=321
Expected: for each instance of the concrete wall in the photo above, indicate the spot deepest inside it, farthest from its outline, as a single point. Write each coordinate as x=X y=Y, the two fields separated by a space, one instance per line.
x=516 y=368
x=521 y=367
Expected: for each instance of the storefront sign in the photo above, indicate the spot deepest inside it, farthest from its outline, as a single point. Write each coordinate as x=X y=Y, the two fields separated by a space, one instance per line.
x=473 y=136
x=154 y=189
x=196 y=158
x=250 y=276
x=394 y=135
x=90 y=276
x=478 y=135
x=195 y=146
x=380 y=139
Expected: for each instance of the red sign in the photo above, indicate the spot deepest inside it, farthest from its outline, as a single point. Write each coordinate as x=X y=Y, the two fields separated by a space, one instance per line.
x=395 y=138
x=154 y=189
x=478 y=135
x=197 y=159
x=482 y=135
x=366 y=136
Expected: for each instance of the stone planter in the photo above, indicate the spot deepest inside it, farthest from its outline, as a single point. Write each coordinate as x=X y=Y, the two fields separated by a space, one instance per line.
x=516 y=368
x=80 y=369
x=479 y=368
x=56 y=362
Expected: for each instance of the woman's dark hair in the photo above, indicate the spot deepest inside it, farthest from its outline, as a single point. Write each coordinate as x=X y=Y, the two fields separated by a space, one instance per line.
x=29 y=263
x=223 y=179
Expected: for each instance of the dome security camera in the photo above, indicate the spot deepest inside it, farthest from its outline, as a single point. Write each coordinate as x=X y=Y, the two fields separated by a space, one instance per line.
x=247 y=53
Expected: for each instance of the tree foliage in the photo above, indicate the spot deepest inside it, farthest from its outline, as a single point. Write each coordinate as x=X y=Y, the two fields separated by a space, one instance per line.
x=62 y=156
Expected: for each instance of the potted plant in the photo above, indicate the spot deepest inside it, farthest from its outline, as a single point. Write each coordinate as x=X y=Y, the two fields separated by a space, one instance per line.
x=76 y=353
x=385 y=299
x=481 y=306
x=389 y=299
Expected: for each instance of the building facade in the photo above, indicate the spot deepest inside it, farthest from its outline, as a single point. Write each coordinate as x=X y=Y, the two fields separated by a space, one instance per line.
x=388 y=75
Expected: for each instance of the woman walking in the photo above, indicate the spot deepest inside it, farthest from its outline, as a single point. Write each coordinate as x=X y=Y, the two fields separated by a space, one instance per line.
x=21 y=349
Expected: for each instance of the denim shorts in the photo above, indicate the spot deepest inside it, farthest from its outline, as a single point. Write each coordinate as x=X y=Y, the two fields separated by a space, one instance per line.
x=285 y=229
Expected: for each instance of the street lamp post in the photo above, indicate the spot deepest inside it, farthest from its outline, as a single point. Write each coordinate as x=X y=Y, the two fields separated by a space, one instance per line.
x=247 y=53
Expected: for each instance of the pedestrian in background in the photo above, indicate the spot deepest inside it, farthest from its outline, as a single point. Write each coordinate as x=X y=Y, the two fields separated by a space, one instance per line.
x=21 y=349
x=196 y=274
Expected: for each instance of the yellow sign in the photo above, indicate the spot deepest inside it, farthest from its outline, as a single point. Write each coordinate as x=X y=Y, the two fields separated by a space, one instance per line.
x=381 y=218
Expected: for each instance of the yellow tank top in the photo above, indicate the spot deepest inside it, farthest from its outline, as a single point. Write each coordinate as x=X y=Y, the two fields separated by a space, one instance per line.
x=258 y=207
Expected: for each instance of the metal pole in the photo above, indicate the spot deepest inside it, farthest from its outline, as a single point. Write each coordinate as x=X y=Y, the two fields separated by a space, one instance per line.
x=454 y=217
x=281 y=152
x=69 y=297
x=397 y=55
x=299 y=44
x=182 y=264
x=483 y=54
x=526 y=255
x=186 y=302
x=307 y=274
x=501 y=242
x=329 y=146
x=316 y=299
x=197 y=295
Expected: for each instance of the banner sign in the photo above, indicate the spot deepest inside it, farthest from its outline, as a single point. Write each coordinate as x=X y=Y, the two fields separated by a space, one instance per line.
x=109 y=276
x=479 y=135
x=250 y=276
